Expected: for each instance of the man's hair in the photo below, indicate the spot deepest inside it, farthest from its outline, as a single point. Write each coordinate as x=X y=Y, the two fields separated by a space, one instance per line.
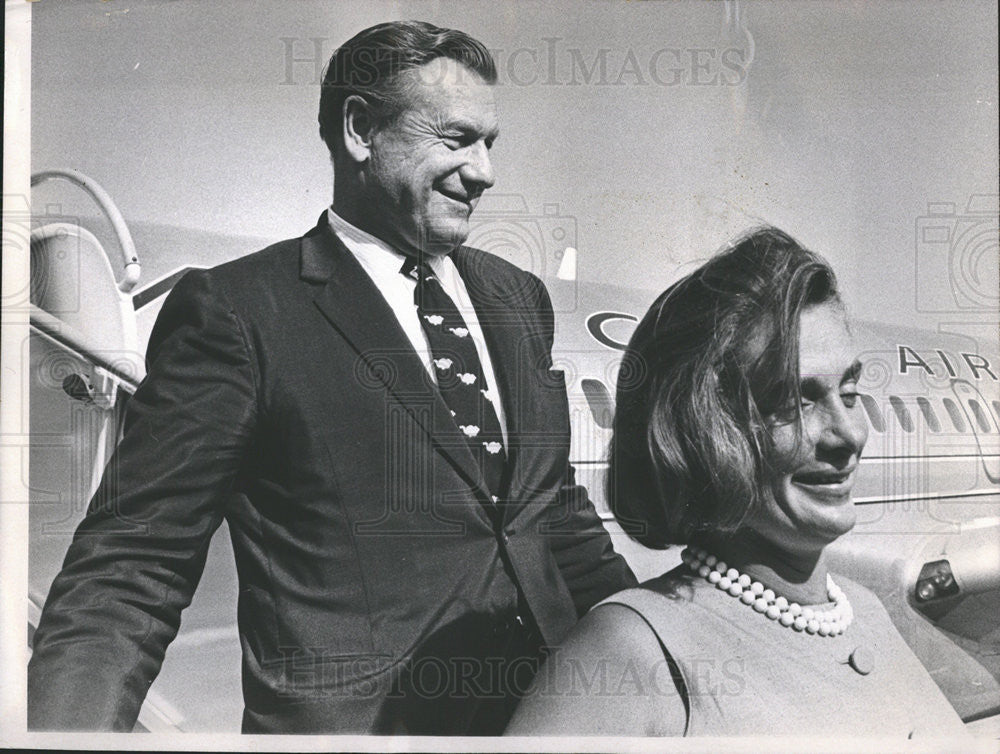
x=714 y=359
x=370 y=63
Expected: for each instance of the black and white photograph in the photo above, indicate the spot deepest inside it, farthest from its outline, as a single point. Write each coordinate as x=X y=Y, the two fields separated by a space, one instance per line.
x=427 y=375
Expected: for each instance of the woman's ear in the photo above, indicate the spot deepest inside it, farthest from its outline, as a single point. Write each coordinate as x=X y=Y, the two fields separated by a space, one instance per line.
x=359 y=126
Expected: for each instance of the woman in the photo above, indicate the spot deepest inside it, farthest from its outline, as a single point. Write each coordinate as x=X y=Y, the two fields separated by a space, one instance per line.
x=738 y=432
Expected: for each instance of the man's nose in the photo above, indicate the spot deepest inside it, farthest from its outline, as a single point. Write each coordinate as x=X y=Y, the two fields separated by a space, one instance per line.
x=478 y=167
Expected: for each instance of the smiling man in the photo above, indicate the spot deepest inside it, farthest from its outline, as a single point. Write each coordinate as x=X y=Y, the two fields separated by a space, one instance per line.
x=371 y=410
x=415 y=183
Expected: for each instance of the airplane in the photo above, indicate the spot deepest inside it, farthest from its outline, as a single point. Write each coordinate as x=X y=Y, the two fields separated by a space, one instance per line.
x=927 y=539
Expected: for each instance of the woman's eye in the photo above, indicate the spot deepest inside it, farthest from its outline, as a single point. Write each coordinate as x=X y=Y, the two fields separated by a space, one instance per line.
x=790 y=412
x=849 y=393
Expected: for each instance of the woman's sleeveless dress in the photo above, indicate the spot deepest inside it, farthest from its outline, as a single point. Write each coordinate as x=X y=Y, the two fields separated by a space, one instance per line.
x=747 y=675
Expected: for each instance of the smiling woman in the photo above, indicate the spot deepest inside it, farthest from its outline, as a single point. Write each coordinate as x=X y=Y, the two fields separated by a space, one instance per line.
x=739 y=436
x=815 y=450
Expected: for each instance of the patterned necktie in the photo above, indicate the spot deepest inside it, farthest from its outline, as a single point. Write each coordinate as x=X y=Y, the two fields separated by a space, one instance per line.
x=459 y=373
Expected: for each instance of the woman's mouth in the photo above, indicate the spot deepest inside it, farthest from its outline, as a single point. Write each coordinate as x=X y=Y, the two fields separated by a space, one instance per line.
x=826 y=482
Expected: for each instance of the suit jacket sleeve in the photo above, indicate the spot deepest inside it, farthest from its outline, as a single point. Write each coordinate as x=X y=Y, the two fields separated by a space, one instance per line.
x=582 y=549
x=137 y=556
x=578 y=540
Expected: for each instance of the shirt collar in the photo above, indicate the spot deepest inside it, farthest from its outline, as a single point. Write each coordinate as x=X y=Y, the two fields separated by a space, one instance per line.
x=376 y=251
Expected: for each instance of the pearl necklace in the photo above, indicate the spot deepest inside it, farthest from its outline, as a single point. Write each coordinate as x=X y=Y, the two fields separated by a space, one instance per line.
x=832 y=621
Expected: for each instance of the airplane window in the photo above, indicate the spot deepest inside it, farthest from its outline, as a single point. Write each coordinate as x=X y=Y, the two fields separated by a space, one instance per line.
x=602 y=407
x=902 y=413
x=980 y=415
x=955 y=414
x=874 y=415
x=929 y=416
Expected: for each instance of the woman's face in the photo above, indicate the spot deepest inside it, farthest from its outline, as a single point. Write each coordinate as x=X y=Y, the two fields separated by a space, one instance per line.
x=816 y=462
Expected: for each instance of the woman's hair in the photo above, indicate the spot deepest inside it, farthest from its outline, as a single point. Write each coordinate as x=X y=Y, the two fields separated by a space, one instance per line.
x=714 y=358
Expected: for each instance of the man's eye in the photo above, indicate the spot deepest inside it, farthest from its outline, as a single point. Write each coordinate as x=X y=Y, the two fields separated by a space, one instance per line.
x=458 y=140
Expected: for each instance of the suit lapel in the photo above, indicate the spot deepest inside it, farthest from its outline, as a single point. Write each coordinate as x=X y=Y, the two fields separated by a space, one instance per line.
x=502 y=328
x=520 y=363
x=352 y=304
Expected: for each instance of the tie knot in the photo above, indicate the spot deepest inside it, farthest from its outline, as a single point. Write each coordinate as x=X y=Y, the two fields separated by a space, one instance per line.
x=411 y=268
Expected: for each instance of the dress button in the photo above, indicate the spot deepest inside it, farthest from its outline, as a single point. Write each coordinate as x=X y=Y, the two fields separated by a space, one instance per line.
x=862 y=660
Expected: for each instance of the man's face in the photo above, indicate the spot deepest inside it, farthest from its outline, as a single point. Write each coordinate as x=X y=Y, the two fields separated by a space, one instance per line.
x=428 y=166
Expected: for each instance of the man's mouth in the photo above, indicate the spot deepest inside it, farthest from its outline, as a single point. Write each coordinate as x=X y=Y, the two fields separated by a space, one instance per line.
x=468 y=201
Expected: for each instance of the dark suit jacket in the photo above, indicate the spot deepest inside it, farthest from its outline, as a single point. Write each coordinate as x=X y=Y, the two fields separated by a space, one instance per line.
x=283 y=396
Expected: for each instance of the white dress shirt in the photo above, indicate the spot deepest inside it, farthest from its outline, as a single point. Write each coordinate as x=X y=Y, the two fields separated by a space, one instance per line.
x=382 y=263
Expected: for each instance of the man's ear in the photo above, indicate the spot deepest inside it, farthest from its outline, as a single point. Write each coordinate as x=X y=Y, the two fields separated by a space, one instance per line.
x=359 y=126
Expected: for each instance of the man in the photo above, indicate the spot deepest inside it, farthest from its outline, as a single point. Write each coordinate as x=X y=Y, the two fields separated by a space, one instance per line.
x=372 y=411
